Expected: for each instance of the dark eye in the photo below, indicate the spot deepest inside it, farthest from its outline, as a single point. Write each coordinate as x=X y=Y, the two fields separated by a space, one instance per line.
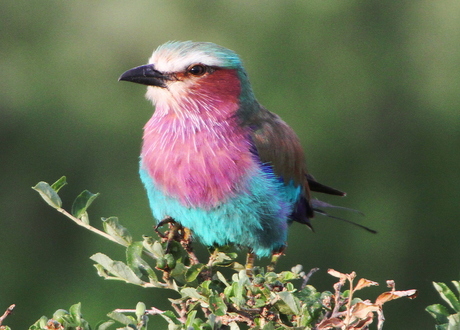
x=197 y=70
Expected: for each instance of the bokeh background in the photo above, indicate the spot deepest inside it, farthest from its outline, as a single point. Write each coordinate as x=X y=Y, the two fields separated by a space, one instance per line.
x=371 y=87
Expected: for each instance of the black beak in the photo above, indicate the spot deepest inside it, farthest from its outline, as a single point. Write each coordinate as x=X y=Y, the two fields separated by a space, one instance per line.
x=145 y=75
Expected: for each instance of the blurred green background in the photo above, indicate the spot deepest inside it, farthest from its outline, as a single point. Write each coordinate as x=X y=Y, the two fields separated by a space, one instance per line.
x=371 y=87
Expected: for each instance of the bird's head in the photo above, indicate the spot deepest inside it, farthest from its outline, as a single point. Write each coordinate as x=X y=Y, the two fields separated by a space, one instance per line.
x=197 y=74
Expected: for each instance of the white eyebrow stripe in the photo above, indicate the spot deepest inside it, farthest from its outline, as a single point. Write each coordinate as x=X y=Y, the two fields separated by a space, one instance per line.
x=168 y=61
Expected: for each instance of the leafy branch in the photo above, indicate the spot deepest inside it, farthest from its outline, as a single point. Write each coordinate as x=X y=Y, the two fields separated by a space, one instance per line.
x=209 y=300
x=444 y=319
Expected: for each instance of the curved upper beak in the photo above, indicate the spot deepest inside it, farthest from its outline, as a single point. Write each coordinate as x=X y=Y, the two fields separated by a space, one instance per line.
x=145 y=75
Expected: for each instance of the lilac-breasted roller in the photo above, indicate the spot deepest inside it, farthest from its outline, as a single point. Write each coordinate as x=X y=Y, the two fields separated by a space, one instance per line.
x=213 y=158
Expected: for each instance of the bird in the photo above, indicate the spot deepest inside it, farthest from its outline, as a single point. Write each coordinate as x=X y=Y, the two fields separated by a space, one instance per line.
x=213 y=158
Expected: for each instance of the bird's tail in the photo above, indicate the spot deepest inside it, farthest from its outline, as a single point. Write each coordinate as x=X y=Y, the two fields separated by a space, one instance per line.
x=318 y=205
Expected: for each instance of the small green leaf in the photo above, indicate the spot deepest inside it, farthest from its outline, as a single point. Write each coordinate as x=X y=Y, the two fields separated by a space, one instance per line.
x=82 y=202
x=39 y=324
x=122 y=318
x=454 y=321
x=171 y=318
x=238 y=297
x=192 y=293
x=234 y=326
x=84 y=218
x=289 y=299
x=286 y=276
x=101 y=271
x=178 y=273
x=59 y=184
x=133 y=257
x=75 y=313
x=192 y=273
x=447 y=295
x=222 y=278
x=137 y=264
x=157 y=249
x=48 y=194
x=439 y=312
x=217 y=305
x=117 y=268
x=190 y=319
x=222 y=259
x=104 y=325
x=269 y=326
x=153 y=247
x=60 y=315
x=117 y=231
x=457 y=286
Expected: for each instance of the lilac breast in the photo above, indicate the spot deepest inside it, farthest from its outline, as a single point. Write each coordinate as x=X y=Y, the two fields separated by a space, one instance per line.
x=202 y=161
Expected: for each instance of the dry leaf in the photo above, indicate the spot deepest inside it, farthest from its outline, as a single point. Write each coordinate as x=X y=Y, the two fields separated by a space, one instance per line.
x=363 y=283
x=337 y=274
x=392 y=295
x=331 y=323
x=362 y=309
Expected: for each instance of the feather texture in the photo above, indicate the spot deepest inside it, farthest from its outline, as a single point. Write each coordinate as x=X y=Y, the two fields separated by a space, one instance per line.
x=213 y=158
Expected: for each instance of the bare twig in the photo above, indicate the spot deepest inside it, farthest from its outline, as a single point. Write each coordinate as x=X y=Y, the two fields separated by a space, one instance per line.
x=307 y=277
x=8 y=311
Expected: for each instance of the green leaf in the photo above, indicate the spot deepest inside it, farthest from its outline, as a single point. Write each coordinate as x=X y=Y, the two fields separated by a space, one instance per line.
x=178 y=272
x=192 y=293
x=171 y=318
x=133 y=257
x=75 y=313
x=269 y=326
x=82 y=202
x=192 y=273
x=60 y=315
x=117 y=268
x=457 y=286
x=238 y=291
x=217 y=305
x=286 y=276
x=289 y=299
x=137 y=264
x=222 y=278
x=234 y=326
x=104 y=325
x=122 y=318
x=222 y=259
x=153 y=247
x=59 y=184
x=454 y=322
x=48 y=194
x=190 y=319
x=101 y=271
x=85 y=218
x=447 y=295
x=439 y=312
x=117 y=231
